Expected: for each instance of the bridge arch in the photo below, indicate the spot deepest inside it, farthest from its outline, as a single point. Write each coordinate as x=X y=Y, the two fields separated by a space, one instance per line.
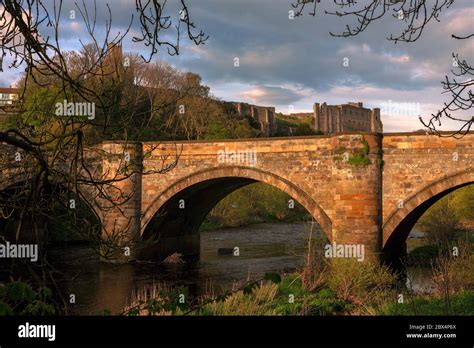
x=221 y=181
x=400 y=222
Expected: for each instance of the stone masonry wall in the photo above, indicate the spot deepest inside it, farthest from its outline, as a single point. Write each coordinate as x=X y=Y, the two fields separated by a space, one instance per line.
x=417 y=162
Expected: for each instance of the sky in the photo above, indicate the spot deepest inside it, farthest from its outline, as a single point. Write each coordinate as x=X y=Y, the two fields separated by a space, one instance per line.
x=293 y=63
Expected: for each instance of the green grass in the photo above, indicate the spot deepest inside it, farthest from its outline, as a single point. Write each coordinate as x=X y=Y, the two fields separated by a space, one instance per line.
x=461 y=304
x=285 y=298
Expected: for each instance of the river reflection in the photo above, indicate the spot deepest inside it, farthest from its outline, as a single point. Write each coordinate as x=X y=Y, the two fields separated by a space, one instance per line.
x=268 y=247
x=262 y=248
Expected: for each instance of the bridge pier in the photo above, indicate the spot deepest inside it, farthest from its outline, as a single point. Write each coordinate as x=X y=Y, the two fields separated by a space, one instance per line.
x=357 y=191
x=121 y=212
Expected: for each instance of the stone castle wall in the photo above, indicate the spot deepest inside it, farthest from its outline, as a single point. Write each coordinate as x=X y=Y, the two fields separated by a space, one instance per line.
x=350 y=117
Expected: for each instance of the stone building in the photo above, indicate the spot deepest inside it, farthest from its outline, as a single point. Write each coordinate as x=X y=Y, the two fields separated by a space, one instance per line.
x=350 y=117
x=263 y=115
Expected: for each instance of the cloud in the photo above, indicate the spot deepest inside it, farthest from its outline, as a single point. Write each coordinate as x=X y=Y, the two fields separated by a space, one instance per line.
x=270 y=95
x=287 y=61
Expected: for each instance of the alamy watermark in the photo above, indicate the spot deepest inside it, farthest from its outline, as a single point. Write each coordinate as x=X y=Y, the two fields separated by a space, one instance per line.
x=19 y=251
x=400 y=109
x=335 y=250
x=37 y=331
x=75 y=109
x=245 y=156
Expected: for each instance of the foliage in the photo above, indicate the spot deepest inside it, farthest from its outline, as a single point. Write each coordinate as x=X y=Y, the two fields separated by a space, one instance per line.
x=360 y=156
x=304 y=129
x=321 y=302
x=171 y=301
x=18 y=298
x=360 y=282
x=349 y=287
x=282 y=298
x=257 y=302
x=255 y=203
x=300 y=124
x=454 y=272
x=461 y=304
x=423 y=255
x=462 y=202
x=166 y=302
x=441 y=223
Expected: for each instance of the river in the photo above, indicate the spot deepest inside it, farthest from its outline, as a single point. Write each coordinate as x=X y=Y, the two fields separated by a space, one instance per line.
x=266 y=247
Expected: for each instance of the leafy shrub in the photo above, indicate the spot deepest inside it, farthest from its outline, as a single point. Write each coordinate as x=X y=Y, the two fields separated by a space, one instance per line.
x=360 y=156
x=18 y=298
x=360 y=282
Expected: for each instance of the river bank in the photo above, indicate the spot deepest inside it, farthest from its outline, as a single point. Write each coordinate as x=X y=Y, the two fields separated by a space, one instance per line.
x=275 y=248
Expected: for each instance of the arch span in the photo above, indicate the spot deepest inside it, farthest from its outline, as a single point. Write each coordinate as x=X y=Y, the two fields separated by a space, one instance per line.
x=202 y=190
x=401 y=221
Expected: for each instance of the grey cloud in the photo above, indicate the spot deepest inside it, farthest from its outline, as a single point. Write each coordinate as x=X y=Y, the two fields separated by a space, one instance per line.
x=301 y=51
x=270 y=95
x=275 y=50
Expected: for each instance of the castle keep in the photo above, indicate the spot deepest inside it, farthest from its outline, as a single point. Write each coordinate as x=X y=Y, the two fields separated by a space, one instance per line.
x=350 y=117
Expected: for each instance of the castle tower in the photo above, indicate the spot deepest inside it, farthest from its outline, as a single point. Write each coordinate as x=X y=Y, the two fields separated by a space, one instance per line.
x=375 y=121
x=317 y=116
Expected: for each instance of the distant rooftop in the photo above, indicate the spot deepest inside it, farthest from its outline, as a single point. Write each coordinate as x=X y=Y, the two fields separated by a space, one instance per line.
x=9 y=90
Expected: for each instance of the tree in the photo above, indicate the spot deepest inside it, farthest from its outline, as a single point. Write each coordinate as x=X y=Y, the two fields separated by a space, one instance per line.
x=441 y=223
x=304 y=129
x=49 y=158
x=416 y=14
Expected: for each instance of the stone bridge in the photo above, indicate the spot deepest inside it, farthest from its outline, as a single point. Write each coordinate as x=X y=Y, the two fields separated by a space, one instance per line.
x=361 y=188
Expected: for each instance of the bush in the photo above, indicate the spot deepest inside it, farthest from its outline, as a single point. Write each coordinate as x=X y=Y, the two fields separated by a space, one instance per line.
x=259 y=302
x=360 y=156
x=423 y=255
x=322 y=302
x=304 y=129
x=18 y=298
x=360 y=282
x=452 y=274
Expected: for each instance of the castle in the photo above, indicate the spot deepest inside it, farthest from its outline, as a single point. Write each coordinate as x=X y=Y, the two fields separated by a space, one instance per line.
x=263 y=115
x=327 y=119
x=350 y=117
